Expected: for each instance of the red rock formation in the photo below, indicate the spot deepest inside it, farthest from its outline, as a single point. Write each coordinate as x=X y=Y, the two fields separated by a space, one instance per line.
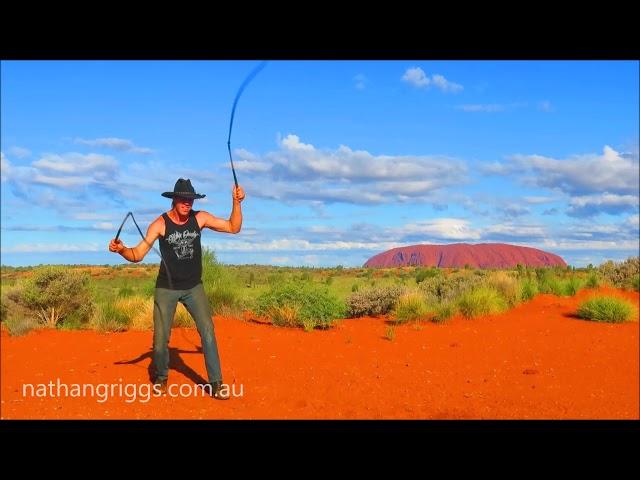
x=457 y=255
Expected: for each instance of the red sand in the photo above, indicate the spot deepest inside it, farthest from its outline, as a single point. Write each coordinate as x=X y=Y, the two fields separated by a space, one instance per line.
x=533 y=362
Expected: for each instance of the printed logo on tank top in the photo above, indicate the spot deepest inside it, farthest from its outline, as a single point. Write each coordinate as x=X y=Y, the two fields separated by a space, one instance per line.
x=182 y=243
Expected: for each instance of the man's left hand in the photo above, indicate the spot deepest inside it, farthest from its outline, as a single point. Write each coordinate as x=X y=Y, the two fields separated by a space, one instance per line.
x=238 y=194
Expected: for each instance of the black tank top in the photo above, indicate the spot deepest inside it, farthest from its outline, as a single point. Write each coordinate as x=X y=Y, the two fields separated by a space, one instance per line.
x=180 y=247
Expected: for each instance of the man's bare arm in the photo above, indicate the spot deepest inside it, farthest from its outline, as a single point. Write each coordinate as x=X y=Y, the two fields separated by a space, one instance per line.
x=219 y=224
x=137 y=253
x=233 y=225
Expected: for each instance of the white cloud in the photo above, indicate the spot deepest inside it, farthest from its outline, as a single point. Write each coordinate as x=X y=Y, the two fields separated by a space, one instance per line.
x=19 y=152
x=513 y=231
x=592 y=231
x=41 y=182
x=300 y=171
x=290 y=244
x=91 y=216
x=57 y=228
x=490 y=108
x=120 y=144
x=52 y=248
x=61 y=182
x=587 y=205
x=14 y=173
x=590 y=245
x=513 y=210
x=299 y=160
x=104 y=226
x=254 y=167
x=610 y=172
x=442 y=228
x=280 y=260
x=445 y=85
x=248 y=162
x=72 y=171
x=323 y=229
x=497 y=168
x=418 y=78
x=76 y=163
x=537 y=200
x=5 y=168
x=293 y=143
x=311 y=259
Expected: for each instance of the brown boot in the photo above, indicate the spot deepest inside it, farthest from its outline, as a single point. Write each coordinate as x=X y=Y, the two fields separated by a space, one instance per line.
x=220 y=391
x=160 y=386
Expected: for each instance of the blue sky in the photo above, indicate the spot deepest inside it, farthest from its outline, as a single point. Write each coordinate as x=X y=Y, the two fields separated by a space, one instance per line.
x=340 y=160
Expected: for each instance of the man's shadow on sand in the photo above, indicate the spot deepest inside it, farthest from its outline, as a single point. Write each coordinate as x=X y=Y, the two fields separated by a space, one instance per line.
x=175 y=363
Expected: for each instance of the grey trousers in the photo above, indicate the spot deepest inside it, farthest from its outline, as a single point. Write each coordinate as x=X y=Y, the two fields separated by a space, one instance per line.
x=164 y=309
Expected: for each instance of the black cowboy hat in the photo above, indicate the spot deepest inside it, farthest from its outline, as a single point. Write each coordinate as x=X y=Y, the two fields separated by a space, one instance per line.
x=183 y=189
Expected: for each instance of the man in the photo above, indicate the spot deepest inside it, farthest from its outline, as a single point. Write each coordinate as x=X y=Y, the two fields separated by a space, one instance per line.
x=180 y=276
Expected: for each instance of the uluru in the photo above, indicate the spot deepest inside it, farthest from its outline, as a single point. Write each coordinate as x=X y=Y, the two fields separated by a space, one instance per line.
x=459 y=255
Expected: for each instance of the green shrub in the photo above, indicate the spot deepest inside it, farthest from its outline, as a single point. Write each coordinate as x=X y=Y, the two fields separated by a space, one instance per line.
x=373 y=301
x=572 y=285
x=284 y=315
x=543 y=273
x=20 y=325
x=508 y=286
x=450 y=287
x=621 y=274
x=635 y=283
x=308 y=324
x=73 y=322
x=125 y=291
x=305 y=277
x=128 y=307
x=108 y=318
x=299 y=304
x=529 y=288
x=148 y=288
x=550 y=283
x=481 y=301
x=424 y=273
x=592 y=280
x=54 y=293
x=409 y=307
x=443 y=312
x=4 y=308
x=390 y=334
x=17 y=318
x=606 y=309
x=222 y=290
